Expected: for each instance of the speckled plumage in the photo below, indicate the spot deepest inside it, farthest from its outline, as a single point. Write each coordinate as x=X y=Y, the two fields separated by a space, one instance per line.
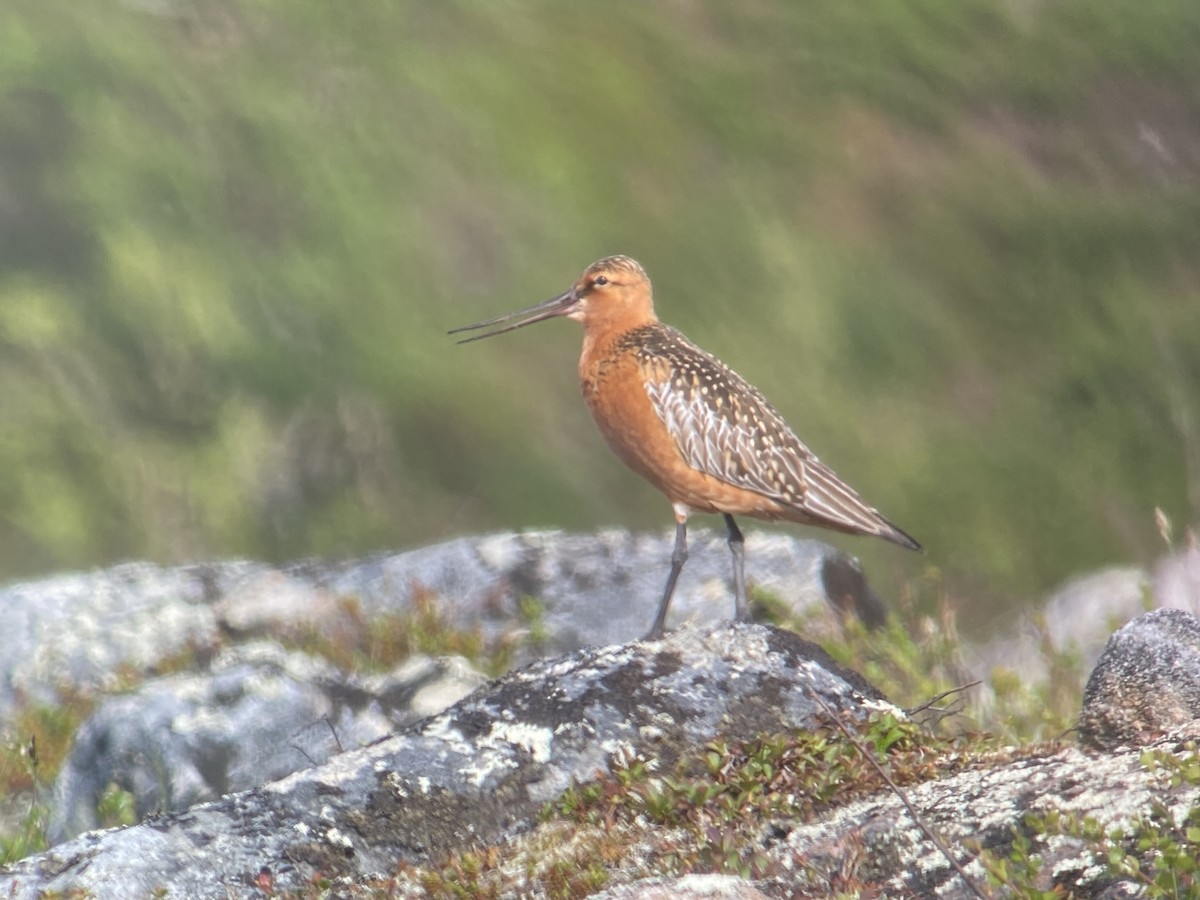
x=689 y=424
x=723 y=426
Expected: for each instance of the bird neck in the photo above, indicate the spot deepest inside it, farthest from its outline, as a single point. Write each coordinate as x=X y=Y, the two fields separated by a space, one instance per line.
x=603 y=332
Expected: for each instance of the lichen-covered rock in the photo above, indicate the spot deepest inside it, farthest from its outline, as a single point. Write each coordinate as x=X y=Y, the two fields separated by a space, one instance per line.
x=475 y=773
x=78 y=631
x=685 y=887
x=478 y=774
x=1007 y=803
x=988 y=807
x=256 y=714
x=82 y=632
x=1146 y=683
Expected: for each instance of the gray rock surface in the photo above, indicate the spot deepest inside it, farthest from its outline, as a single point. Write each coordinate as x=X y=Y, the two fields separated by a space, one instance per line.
x=874 y=848
x=594 y=588
x=477 y=772
x=77 y=631
x=686 y=887
x=1146 y=683
x=255 y=715
x=82 y=632
x=879 y=838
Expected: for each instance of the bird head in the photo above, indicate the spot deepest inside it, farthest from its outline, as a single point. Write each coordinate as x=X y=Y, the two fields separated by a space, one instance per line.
x=613 y=290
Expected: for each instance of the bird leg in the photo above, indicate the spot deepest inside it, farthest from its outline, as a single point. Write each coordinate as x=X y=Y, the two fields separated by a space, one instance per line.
x=737 y=546
x=678 y=557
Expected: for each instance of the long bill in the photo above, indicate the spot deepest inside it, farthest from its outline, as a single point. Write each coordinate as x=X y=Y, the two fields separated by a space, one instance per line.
x=562 y=305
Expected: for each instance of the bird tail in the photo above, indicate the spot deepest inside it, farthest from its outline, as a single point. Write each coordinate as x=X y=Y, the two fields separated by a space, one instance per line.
x=898 y=535
x=833 y=503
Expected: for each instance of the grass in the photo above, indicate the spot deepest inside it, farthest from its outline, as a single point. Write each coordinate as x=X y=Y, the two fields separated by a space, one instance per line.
x=27 y=768
x=357 y=643
x=707 y=812
x=937 y=234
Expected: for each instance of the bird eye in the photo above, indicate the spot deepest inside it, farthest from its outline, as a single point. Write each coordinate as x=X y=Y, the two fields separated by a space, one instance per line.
x=600 y=279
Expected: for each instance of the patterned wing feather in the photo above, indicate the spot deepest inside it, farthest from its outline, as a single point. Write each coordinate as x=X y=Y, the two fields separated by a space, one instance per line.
x=725 y=427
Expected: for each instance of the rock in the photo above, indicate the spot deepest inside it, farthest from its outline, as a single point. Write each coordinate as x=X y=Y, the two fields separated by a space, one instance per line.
x=256 y=715
x=592 y=589
x=477 y=772
x=879 y=842
x=85 y=632
x=686 y=887
x=77 y=631
x=1146 y=683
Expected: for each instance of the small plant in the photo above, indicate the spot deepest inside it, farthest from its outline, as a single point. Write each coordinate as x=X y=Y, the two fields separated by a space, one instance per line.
x=720 y=796
x=115 y=807
x=1158 y=851
x=916 y=655
x=30 y=835
x=356 y=643
x=30 y=760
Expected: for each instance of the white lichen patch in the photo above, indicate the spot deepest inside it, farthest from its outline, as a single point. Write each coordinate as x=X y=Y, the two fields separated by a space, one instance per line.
x=494 y=750
x=751 y=645
x=349 y=767
x=199 y=721
x=536 y=740
x=397 y=785
x=650 y=733
x=883 y=706
x=1071 y=856
x=486 y=763
x=501 y=552
x=618 y=748
x=443 y=728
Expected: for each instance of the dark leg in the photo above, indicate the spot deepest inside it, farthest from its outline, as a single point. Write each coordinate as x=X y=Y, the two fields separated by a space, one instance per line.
x=737 y=546
x=678 y=558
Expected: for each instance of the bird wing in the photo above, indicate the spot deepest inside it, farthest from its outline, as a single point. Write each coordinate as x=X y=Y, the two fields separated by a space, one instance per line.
x=724 y=426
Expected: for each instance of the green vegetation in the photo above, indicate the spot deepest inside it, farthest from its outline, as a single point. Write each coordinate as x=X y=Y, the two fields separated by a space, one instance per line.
x=1155 y=852
x=917 y=656
x=954 y=241
x=706 y=815
x=27 y=767
x=357 y=643
x=718 y=796
x=709 y=813
x=706 y=811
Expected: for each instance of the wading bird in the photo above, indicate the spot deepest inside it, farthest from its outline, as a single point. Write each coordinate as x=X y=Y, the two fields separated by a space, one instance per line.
x=689 y=424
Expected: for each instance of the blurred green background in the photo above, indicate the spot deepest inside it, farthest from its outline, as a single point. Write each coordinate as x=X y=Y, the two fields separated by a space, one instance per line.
x=956 y=242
